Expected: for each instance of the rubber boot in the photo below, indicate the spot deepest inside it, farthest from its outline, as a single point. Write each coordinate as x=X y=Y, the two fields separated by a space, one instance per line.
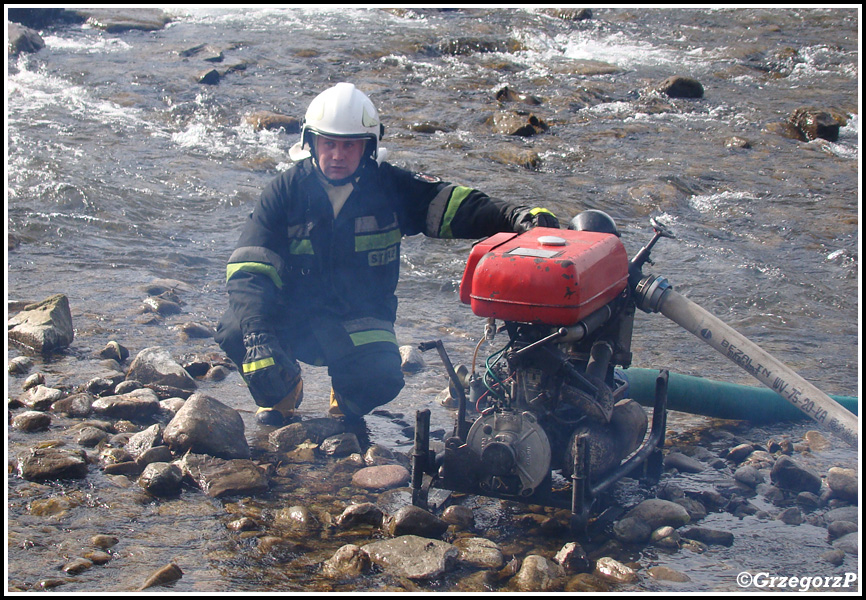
x=284 y=410
x=334 y=410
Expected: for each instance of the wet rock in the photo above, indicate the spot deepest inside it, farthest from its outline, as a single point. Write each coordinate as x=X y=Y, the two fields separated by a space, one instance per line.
x=480 y=552
x=209 y=77
x=218 y=477
x=22 y=39
x=586 y=582
x=20 y=365
x=791 y=516
x=242 y=524
x=412 y=556
x=814 y=123
x=167 y=574
x=696 y=509
x=749 y=475
x=537 y=574
x=572 y=558
x=90 y=437
x=52 y=463
x=383 y=477
x=739 y=453
x=33 y=380
x=461 y=517
x=103 y=541
x=45 y=326
x=849 y=543
x=837 y=529
x=683 y=463
x=738 y=142
x=365 y=513
x=342 y=444
x=377 y=455
x=843 y=483
x=665 y=537
x=155 y=366
x=816 y=440
x=77 y=405
x=568 y=14
x=415 y=521
x=316 y=430
x=140 y=404
x=31 y=421
x=348 y=561
x=612 y=570
x=161 y=479
x=510 y=123
x=207 y=426
x=667 y=574
x=631 y=530
x=97 y=557
x=40 y=397
x=142 y=441
x=114 y=350
x=655 y=513
x=844 y=513
x=834 y=557
x=76 y=566
x=412 y=361
x=711 y=537
x=790 y=475
x=506 y=94
x=296 y=518
x=681 y=87
x=519 y=157
x=273 y=121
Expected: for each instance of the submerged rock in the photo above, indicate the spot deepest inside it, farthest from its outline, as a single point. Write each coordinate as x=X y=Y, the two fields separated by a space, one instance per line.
x=413 y=556
x=52 y=463
x=218 y=477
x=790 y=475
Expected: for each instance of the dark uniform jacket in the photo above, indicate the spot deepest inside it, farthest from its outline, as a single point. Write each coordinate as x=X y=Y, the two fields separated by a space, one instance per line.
x=295 y=259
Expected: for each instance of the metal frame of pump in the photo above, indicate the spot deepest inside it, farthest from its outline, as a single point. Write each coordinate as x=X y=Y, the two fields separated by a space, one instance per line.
x=586 y=354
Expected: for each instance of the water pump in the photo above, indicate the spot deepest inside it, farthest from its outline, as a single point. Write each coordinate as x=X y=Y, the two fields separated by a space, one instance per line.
x=554 y=424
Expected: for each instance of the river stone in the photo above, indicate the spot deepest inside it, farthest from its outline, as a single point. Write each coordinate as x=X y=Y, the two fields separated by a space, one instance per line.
x=40 y=397
x=218 y=477
x=118 y=20
x=52 y=463
x=682 y=463
x=413 y=520
x=510 y=123
x=480 y=552
x=709 y=536
x=668 y=574
x=22 y=39
x=632 y=530
x=90 y=437
x=31 y=420
x=814 y=123
x=156 y=366
x=412 y=556
x=791 y=516
x=843 y=483
x=142 y=441
x=45 y=326
x=382 y=477
x=342 y=444
x=411 y=359
x=586 y=582
x=837 y=529
x=844 y=513
x=264 y=119
x=612 y=570
x=749 y=475
x=77 y=405
x=365 y=513
x=316 y=430
x=537 y=574
x=816 y=440
x=572 y=558
x=656 y=513
x=461 y=517
x=20 y=365
x=161 y=479
x=739 y=453
x=297 y=518
x=348 y=561
x=681 y=87
x=849 y=543
x=204 y=425
x=790 y=475
x=167 y=574
x=138 y=404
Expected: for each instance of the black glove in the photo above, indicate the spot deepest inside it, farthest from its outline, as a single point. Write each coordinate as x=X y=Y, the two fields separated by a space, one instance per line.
x=270 y=373
x=527 y=218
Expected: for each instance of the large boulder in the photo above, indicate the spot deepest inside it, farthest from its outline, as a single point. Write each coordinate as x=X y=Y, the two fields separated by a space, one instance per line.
x=412 y=556
x=45 y=326
x=156 y=367
x=205 y=425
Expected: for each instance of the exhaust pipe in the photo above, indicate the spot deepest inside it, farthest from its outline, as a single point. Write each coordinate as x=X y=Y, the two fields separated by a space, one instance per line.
x=654 y=294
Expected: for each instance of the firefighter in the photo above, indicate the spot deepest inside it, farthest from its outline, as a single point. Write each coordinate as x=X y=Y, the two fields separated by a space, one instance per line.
x=314 y=273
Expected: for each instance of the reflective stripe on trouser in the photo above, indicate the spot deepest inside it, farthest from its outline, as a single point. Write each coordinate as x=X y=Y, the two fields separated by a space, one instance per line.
x=362 y=355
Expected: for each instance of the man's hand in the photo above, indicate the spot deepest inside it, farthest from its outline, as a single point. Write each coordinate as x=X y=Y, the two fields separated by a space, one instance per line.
x=528 y=218
x=270 y=373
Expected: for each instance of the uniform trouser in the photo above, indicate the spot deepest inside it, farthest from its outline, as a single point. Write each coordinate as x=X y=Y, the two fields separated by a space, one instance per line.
x=362 y=355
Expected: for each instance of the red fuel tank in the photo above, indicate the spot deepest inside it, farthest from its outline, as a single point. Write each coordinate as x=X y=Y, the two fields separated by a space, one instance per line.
x=547 y=276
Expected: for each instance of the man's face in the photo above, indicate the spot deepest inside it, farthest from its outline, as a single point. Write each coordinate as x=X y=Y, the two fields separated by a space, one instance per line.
x=339 y=157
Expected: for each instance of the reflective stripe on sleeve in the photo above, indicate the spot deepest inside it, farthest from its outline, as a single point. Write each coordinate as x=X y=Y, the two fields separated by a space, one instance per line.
x=259 y=364
x=442 y=209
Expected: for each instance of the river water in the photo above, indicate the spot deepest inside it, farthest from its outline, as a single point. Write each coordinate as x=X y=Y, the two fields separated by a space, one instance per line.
x=122 y=169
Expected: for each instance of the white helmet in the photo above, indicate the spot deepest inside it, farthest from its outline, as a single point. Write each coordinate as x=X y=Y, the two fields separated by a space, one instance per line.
x=340 y=111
